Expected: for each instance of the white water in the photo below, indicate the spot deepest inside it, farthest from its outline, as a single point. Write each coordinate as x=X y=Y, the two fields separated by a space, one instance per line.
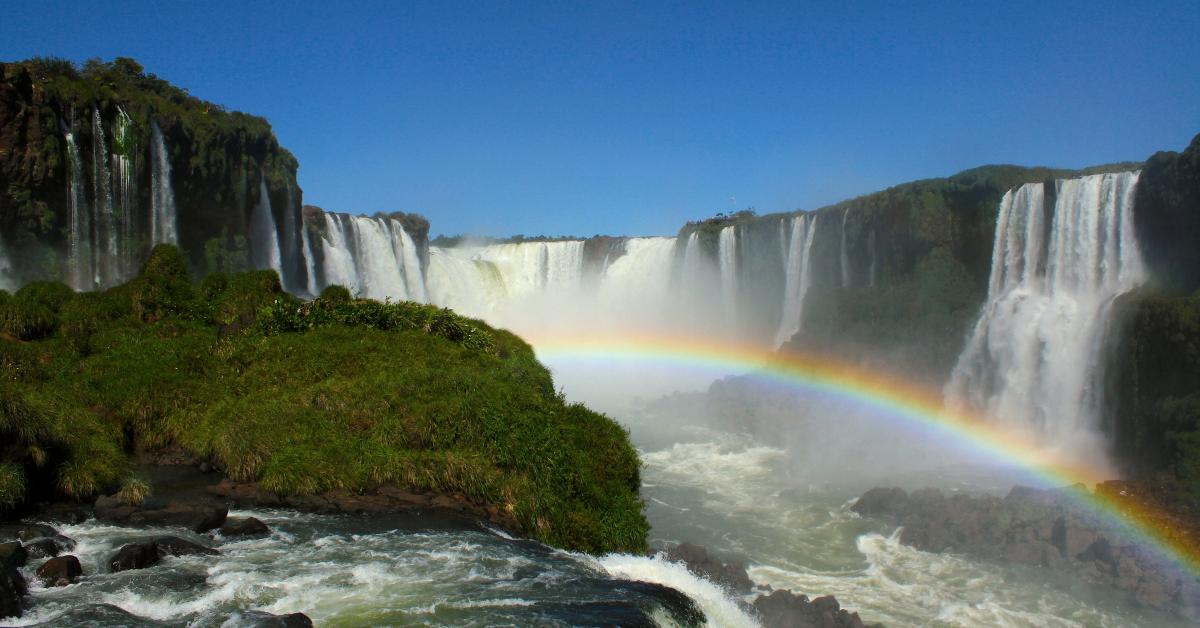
x=727 y=263
x=81 y=273
x=373 y=257
x=7 y=280
x=106 y=239
x=1035 y=357
x=798 y=276
x=264 y=237
x=844 y=253
x=163 y=228
x=310 y=261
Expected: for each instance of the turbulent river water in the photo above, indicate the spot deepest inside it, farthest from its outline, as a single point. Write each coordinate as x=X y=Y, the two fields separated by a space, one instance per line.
x=739 y=497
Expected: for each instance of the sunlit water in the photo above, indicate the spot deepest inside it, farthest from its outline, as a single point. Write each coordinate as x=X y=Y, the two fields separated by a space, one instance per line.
x=740 y=498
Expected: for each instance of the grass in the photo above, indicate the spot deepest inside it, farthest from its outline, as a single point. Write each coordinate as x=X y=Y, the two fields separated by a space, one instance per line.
x=306 y=397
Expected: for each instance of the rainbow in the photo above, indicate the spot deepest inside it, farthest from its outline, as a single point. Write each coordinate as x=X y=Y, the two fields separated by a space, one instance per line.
x=894 y=399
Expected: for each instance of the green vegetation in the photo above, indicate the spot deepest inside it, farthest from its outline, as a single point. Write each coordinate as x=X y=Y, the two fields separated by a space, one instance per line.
x=304 y=397
x=1156 y=382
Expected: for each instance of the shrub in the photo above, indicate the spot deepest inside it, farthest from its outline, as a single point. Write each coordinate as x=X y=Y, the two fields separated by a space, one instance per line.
x=336 y=294
x=26 y=321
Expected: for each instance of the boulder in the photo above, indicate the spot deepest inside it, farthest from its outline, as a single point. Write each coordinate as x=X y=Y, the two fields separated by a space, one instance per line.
x=43 y=548
x=12 y=555
x=731 y=575
x=261 y=619
x=134 y=556
x=244 y=526
x=26 y=531
x=12 y=589
x=882 y=501
x=197 y=516
x=60 y=571
x=784 y=609
x=175 y=546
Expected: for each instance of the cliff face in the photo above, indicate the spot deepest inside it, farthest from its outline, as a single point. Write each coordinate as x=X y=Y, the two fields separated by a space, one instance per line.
x=1168 y=216
x=81 y=166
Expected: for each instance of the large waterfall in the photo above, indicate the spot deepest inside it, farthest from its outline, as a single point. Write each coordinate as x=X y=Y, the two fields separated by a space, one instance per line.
x=106 y=235
x=372 y=257
x=1035 y=358
x=797 y=274
x=81 y=273
x=162 y=197
x=264 y=237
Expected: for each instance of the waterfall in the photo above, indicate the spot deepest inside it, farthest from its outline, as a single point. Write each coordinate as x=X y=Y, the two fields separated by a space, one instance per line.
x=845 y=252
x=162 y=198
x=1034 y=358
x=104 y=229
x=727 y=264
x=125 y=211
x=471 y=286
x=797 y=276
x=7 y=280
x=373 y=257
x=310 y=260
x=264 y=237
x=81 y=273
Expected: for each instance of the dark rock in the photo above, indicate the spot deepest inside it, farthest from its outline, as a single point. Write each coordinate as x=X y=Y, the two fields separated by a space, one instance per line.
x=12 y=589
x=260 y=619
x=197 y=516
x=12 y=555
x=175 y=546
x=46 y=547
x=244 y=526
x=60 y=571
x=134 y=556
x=26 y=531
x=784 y=609
x=731 y=575
x=62 y=512
x=881 y=501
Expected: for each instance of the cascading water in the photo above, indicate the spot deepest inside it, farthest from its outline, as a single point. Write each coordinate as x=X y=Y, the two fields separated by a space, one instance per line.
x=310 y=261
x=81 y=273
x=7 y=281
x=163 y=228
x=125 y=209
x=264 y=237
x=798 y=276
x=372 y=257
x=1034 y=359
x=104 y=252
x=727 y=263
x=844 y=259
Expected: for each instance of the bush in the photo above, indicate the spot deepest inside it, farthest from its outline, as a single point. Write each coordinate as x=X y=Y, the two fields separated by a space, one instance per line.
x=26 y=321
x=51 y=295
x=336 y=294
x=164 y=288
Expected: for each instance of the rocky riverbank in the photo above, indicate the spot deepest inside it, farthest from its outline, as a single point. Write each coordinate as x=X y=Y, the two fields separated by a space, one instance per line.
x=1045 y=528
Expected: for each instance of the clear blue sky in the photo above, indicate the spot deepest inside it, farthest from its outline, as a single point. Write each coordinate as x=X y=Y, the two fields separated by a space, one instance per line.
x=503 y=118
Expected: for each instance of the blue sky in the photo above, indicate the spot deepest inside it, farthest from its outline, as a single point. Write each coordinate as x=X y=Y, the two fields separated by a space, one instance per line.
x=631 y=118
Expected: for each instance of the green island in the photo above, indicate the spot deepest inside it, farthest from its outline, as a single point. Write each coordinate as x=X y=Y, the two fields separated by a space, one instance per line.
x=301 y=397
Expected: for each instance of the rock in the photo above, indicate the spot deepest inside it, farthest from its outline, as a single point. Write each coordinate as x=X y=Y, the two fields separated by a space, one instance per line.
x=60 y=571
x=244 y=526
x=1070 y=537
x=784 y=609
x=197 y=516
x=260 y=619
x=882 y=501
x=731 y=575
x=63 y=512
x=45 y=547
x=12 y=555
x=175 y=546
x=134 y=556
x=26 y=531
x=12 y=589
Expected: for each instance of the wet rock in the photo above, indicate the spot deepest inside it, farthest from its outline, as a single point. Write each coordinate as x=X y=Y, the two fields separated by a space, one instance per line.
x=175 y=546
x=134 y=556
x=26 y=531
x=12 y=589
x=731 y=575
x=49 y=547
x=260 y=619
x=1071 y=537
x=244 y=526
x=882 y=501
x=13 y=555
x=197 y=516
x=784 y=609
x=60 y=571
x=62 y=512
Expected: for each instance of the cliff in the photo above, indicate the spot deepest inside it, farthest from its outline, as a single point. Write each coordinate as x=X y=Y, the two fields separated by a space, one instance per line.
x=78 y=168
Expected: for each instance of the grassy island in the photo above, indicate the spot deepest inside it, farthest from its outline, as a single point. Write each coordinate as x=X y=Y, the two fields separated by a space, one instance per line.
x=301 y=397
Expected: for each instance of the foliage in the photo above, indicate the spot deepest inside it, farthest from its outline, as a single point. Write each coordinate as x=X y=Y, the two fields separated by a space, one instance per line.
x=305 y=397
